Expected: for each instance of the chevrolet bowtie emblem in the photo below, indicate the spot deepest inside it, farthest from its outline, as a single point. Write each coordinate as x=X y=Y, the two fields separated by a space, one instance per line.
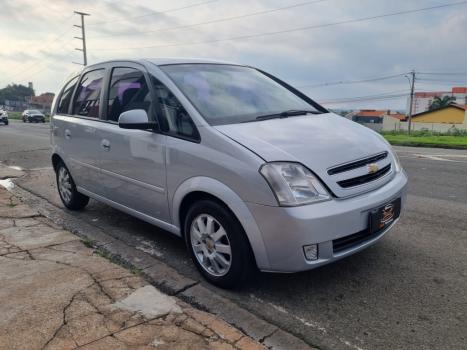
x=372 y=168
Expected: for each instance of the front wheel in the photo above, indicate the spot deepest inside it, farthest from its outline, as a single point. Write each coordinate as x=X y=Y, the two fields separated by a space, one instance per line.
x=70 y=197
x=6 y=122
x=217 y=244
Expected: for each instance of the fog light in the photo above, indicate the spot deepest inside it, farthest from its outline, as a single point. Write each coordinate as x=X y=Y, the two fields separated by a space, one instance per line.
x=311 y=251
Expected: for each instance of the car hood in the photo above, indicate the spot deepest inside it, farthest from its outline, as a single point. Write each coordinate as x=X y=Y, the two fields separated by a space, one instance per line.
x=319 y=142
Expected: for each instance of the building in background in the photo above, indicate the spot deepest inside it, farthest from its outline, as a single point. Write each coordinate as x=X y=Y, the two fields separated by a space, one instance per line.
x=445 y=119
x=423 y=100
x=373 y=118
x=42 y=102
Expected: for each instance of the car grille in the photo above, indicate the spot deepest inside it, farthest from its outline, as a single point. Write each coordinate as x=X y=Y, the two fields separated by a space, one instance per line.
x=360 y=180
x=357 y=164
x=347 y=242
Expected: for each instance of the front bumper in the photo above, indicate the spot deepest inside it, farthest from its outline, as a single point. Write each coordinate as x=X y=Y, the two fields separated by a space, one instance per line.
x=36 y=118
x=285 y=230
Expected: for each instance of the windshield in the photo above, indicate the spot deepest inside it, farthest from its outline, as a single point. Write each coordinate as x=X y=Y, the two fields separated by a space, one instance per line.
x=228 y=94
x=35 y=111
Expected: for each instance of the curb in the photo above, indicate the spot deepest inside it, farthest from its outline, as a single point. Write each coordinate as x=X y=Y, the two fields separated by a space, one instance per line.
x=165 y=278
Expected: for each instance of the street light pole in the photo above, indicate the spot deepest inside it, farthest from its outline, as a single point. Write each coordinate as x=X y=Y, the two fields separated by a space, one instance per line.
x=412 y=87
x=83 y=37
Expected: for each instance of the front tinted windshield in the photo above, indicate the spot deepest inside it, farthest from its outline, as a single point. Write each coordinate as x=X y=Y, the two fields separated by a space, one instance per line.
x=227 y=94
x=34 y=111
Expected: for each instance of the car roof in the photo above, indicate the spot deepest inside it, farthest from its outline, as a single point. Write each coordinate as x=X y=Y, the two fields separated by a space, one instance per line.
x=170 y=60
x=174 y=60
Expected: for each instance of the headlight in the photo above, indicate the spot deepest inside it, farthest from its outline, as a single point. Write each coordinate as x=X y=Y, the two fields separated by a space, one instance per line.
x=293 y=184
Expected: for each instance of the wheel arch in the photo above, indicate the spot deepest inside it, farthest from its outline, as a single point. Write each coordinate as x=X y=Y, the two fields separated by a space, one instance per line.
x=55 y=160
x=198 y=188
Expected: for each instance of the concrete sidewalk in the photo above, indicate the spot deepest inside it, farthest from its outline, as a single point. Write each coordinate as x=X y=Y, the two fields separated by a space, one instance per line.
x=56 y=293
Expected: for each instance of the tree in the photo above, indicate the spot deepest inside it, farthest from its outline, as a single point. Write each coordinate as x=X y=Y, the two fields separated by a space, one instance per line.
x=15 y=92
x=440 y=102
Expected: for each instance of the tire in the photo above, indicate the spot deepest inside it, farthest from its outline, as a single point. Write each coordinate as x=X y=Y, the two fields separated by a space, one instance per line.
x=215 y=244
x=70 y=197
x=6 y=122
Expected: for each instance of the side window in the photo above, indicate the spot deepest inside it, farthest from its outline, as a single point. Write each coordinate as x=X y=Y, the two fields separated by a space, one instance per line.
x=128 y=90
x=175 y=119
x=88 y=94
x=65 y=98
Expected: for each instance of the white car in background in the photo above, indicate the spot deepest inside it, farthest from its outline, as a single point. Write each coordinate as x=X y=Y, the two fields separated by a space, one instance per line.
x=3 y=117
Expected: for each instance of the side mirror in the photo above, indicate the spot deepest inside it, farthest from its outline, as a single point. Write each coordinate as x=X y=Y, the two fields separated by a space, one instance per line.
x=135 y=119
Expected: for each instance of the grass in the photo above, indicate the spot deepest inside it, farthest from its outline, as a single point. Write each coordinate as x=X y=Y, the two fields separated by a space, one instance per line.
x=88 y=242
x=14 y=115
x=428 y=139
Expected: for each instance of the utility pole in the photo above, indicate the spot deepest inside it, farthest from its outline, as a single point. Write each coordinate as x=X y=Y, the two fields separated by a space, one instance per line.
x=412 y=87
x=82 y=38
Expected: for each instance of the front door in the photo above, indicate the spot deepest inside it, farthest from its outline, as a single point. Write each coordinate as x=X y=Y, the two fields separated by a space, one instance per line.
x=132 y=161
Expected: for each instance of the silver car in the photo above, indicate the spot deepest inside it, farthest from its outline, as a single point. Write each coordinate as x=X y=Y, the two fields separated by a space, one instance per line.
x=247 y=169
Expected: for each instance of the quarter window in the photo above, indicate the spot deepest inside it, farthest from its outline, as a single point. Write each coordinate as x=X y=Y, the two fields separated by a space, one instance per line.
x=175 y=119
x=88 y=94
x=128 y=90
x=65 y=98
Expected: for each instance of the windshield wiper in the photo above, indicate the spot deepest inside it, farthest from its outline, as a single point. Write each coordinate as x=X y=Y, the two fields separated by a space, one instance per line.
x=285 y=114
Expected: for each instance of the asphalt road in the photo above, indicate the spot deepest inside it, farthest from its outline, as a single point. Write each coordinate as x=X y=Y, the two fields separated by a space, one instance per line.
x=408 y=291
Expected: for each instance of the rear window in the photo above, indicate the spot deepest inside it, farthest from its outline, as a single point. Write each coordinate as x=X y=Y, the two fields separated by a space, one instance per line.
x=88 y=95
x=65 y=98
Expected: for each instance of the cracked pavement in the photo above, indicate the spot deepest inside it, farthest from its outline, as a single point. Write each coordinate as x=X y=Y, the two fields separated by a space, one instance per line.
x=57 y=293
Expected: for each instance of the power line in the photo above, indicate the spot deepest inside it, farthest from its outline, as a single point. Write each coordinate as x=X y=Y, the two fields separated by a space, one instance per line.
x=391 y=94
x=438 y=73
x=47 y=44
x=219 y=20
x=331 y=24
x=343 y=82
x=386 y=98
x=443 y=81
x=154 y=14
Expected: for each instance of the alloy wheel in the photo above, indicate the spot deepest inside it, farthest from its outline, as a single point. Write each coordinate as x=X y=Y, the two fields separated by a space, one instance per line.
x=211 y=245
x=64 y=184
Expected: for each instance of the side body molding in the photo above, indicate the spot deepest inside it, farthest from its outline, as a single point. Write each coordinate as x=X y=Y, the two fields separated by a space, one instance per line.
x=236 y=205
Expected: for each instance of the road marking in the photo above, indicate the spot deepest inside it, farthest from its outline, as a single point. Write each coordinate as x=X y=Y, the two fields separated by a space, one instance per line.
x=436 y=157
x=305 y=322
x=43 y=168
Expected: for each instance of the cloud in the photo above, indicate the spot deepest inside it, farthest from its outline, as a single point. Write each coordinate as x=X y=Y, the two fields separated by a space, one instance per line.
x=430 y=41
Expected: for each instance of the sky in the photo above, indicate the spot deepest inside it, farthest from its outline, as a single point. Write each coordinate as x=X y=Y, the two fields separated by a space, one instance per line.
x=333 y=50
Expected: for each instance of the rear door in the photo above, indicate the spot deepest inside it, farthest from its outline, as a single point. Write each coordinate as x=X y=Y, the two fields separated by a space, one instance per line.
x=133 y=161
x=81 y=134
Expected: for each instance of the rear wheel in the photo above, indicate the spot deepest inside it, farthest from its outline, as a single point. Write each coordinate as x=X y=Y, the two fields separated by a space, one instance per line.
x=217 y=244
x=70 y=197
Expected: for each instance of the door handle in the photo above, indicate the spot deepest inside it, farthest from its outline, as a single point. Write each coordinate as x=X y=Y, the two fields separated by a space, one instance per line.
x=105 y=144
x=67 y=134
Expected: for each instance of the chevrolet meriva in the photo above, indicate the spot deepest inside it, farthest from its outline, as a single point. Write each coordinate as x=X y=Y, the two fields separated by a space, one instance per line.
x=247 y=169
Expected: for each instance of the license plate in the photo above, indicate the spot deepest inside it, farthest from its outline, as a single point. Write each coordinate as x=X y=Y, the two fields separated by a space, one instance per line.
x=384 y=216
